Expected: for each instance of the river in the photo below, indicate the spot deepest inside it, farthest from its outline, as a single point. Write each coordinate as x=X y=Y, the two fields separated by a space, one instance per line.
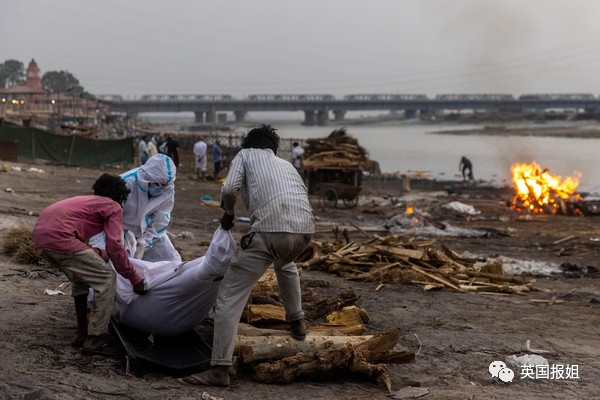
x=422 y=148
x=417 y=147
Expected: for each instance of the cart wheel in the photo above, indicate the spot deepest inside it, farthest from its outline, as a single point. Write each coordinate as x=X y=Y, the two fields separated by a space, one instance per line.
x=351 y=203
x=329 y=198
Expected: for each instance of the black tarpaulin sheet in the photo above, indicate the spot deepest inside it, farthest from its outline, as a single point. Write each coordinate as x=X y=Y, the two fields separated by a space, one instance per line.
x=178 y=355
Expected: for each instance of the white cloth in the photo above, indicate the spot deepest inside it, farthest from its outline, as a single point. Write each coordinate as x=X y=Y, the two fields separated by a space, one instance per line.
x=297 y=153
x=200 y=155
x=148 y=218
x=152 y=150
x=143 y=148
x=180 y=295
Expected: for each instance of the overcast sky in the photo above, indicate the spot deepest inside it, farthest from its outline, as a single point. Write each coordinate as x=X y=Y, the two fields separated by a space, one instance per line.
x=339 y=47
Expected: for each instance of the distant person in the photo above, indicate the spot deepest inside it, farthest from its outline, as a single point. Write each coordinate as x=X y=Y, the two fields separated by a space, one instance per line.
x=161 y=143
x=147 y=212
x=217 y=156
x=466 y=167
x=173 y=149
x=152 y=149
x=61 y=235
x=143 y=150
x=297 y=157
x=281 y=228
x=200 y=158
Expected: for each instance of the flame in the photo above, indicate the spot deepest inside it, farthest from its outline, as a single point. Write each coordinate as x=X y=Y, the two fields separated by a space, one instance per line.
x=539 y=191
x=409 y=209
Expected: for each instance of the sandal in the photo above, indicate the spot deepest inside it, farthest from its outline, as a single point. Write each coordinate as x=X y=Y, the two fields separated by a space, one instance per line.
x=105 y=349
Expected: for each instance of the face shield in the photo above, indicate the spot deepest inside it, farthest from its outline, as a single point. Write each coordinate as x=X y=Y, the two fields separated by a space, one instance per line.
x=156 y=189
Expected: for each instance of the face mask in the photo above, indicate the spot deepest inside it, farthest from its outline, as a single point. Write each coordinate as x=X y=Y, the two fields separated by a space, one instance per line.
x=155 y=190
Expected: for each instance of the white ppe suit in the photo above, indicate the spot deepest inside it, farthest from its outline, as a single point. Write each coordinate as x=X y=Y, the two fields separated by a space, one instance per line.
x=148 y=217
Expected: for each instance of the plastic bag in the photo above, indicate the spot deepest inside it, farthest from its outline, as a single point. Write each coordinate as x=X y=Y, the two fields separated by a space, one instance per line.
x=526 y=359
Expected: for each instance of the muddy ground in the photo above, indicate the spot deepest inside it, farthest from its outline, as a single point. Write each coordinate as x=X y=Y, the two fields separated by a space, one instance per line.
x=455 y=335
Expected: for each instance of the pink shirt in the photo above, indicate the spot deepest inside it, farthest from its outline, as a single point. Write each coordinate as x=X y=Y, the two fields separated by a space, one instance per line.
x=66 y=227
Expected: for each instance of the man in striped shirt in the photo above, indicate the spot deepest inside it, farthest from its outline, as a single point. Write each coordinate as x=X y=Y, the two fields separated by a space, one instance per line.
x=281 y=227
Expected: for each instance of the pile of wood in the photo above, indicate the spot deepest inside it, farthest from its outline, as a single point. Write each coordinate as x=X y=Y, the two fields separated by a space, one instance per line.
x=396 y=261
x=337 y=150
x=335 y=344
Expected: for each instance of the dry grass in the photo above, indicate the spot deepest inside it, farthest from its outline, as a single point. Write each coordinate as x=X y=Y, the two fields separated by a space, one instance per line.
x=17 y=243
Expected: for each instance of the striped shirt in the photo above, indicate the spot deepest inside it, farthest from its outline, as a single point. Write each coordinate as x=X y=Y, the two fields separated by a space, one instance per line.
x=272 y=190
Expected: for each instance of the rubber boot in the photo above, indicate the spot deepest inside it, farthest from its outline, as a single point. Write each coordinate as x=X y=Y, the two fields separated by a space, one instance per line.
x=81 y=312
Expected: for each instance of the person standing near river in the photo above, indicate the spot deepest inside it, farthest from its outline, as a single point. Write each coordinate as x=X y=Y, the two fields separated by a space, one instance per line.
x=466 y=167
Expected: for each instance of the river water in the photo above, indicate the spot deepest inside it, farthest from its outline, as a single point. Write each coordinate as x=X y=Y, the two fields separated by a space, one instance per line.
x=410 y=148
x=422 y=149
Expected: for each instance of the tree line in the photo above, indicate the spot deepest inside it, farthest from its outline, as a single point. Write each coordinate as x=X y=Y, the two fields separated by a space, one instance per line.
x=12 y=73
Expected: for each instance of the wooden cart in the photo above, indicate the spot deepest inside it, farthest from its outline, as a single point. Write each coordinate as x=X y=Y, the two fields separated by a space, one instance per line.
x=334 y=183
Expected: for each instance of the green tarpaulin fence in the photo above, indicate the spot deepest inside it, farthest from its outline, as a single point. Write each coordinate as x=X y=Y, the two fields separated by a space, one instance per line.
x=35 y=144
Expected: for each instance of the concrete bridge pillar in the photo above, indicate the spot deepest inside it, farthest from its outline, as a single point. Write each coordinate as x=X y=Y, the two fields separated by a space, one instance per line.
x=309 y=117
x=339 y=115
x=210 y=117
x=410 y=114
x=199 y=117
x=240 y=116
x=323 y=117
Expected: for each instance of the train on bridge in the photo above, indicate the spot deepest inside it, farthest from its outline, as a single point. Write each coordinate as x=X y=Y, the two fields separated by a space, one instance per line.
x=350 y=97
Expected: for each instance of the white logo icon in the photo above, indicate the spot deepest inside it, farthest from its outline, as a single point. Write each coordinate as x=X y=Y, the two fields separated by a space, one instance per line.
x=506 y=375
x=499 y=370
x=495 y=367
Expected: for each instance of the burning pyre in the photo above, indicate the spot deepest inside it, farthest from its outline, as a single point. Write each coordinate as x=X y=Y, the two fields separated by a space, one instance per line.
x=540 y=192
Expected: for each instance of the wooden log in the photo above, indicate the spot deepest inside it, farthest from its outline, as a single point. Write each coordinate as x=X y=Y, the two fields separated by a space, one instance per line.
x=401 y=251
x=384 y=347
x=245 y=329
x=347 y=321
x=267 y=282
x=262 y=348
x=330 y=304
x=262 y=313
x=456 y=257
x=352 y=358
x=437 y=278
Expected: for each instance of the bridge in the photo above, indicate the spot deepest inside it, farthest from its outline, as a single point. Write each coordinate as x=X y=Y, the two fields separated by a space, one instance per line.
x=320 y=108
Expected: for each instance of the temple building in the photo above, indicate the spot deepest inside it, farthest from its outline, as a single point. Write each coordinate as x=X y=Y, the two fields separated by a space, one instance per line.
x=28 y=103
x=33 y=82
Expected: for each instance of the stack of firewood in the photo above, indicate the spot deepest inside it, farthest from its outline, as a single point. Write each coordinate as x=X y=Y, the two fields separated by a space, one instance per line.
x=337 y=150
x=396 y=261
x=335 y=344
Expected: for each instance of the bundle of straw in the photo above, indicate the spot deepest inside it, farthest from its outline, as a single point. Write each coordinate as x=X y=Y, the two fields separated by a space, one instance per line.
x=18 y=244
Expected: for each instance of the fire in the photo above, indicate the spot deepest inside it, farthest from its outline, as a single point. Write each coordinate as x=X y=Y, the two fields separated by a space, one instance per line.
x=539 y=191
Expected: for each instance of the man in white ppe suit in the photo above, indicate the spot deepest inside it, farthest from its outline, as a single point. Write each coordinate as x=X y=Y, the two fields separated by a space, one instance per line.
x=147 y=212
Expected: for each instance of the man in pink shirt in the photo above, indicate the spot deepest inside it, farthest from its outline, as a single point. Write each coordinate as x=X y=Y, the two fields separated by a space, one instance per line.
x=61 y=236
